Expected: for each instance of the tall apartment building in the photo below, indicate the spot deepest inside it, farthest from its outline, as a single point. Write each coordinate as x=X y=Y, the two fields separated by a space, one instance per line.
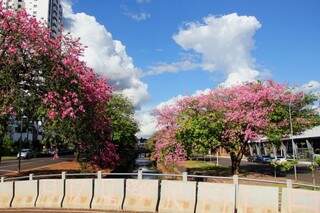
x=47 y=11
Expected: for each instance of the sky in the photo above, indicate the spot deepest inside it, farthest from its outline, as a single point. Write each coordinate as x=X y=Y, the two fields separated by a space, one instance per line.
x=155 y=51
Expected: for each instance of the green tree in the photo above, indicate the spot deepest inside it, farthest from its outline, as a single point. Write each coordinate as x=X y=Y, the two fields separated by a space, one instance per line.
x=124 y=127
x=199 y=130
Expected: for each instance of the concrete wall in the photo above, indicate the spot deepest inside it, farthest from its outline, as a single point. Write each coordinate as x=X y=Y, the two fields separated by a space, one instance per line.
x=216 y=197
x=25 y=194
x=300 y=201
x=141 y=195
x=6 y=194
x=177 y=196
x=78 y=193
x=50 y=193
x=108 y=194
x=257 y=199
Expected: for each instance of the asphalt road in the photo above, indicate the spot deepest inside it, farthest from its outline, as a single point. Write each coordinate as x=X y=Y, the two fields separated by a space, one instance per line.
x=9 y=166
x=303 y=172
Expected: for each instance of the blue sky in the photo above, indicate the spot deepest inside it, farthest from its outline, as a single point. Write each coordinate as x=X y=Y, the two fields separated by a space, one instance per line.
x=284 y=40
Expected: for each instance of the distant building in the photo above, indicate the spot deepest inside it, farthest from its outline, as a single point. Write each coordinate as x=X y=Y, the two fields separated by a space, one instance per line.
x=47 y=11
x=303 y=146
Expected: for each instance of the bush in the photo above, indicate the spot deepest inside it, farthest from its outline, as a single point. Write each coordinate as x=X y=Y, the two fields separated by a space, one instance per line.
x=284 y=166
x=7 y=146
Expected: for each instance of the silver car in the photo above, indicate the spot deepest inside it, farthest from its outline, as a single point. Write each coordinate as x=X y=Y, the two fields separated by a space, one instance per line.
x=25 y=154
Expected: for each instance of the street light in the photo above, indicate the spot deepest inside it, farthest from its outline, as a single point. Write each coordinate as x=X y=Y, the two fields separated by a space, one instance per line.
x=292 y=141
x=20 y=141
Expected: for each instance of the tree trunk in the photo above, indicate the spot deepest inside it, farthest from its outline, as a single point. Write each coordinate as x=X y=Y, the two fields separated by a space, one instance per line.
x=313 y=177
x=235 y=163
x=1 y=142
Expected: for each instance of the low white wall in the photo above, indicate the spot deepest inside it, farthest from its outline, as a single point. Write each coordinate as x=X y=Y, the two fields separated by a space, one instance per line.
x=108 y=194
x=257 y=199
x=141 y=195
x=215 y=197
x=50 y=193
x=177 y=196
x=25 y=194
x=6 y=194
x=78 y=194
x=300 y=201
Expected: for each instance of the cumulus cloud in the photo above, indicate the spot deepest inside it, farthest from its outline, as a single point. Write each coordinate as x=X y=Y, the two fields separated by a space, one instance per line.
x=224 y=43
x=147 y=122
x=106 y=55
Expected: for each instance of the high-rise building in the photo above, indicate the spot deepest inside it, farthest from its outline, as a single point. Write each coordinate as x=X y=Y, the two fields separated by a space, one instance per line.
x=47 y=11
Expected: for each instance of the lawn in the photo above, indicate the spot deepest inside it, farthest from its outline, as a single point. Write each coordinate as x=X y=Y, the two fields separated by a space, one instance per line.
x=9 y=158
x=203 y=168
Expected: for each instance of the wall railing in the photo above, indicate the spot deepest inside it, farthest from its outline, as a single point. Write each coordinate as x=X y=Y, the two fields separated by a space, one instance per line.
x=149 y=192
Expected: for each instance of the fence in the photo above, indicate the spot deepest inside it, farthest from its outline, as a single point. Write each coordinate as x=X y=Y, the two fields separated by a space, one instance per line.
x=137 y=192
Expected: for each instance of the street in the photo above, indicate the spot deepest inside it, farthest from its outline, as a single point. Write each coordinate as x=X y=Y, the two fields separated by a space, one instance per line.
x=9 y=166
x=303 y=171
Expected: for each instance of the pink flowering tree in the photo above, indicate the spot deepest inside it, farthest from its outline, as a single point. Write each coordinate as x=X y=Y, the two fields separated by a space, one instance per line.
x=231 y=117
x=43 y=77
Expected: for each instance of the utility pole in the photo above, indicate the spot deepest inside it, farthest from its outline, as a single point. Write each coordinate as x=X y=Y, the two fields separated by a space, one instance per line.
x=20 y=142
x=292 y=141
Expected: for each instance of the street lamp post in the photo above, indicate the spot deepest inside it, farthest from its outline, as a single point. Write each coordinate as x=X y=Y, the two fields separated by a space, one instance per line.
x=20 y=143
x=292 y=141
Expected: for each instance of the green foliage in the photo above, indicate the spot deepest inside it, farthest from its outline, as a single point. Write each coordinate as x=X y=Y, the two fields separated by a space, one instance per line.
x=150 y=144
x=7 y=145
x=284 y=166
x=303 y=117
x=199 y=131
x=317 y=160
x=124 y=127
x=315 y=164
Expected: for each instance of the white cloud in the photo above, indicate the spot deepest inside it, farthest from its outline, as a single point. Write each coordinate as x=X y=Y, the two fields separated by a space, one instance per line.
x=106 y=55
x=311 y=86
x=224 y=43
x=138 y=16
x=147 y=122
x=161 y=67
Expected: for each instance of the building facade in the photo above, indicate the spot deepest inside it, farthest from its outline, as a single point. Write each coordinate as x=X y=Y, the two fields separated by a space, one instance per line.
x=304 y=146
x=46 y=11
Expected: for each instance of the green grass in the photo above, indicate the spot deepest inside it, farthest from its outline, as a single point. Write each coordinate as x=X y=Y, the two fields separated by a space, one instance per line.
x=199 y=165
x=204 y=168
x=8 y=158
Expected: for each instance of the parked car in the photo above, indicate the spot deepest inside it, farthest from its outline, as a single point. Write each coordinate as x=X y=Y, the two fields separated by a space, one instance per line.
x=263 y=159
x=279 y=159
x=25 y=154
x=252 y=158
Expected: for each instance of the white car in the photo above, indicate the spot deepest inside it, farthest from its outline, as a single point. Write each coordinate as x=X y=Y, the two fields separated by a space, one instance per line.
x=25 y=154
x=279 y=159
